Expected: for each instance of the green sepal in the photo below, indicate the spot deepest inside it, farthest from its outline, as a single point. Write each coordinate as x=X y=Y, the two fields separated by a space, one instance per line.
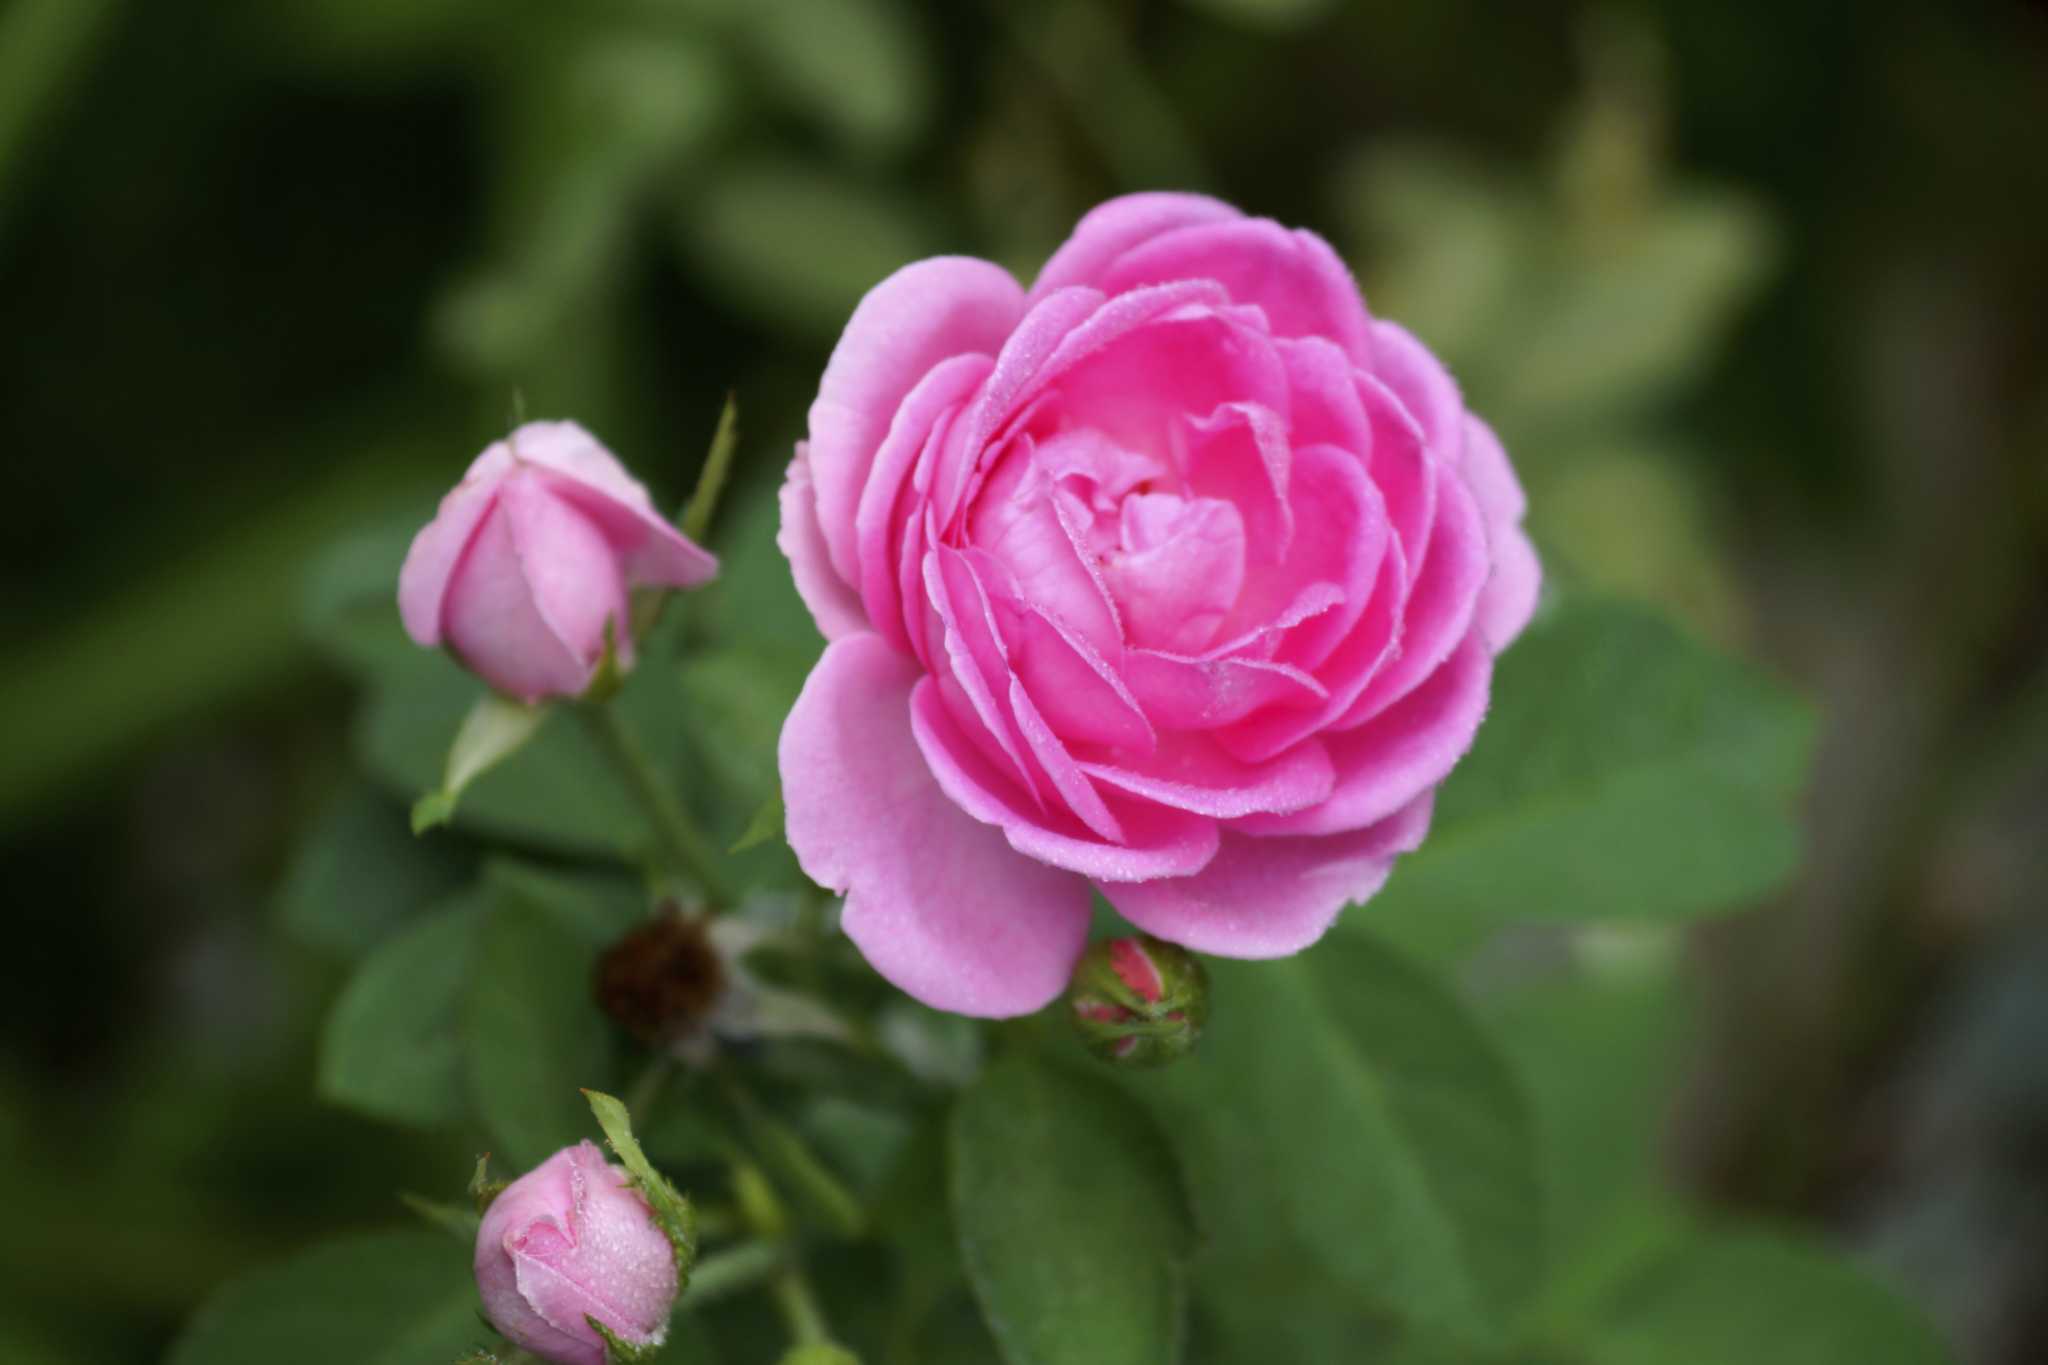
x=495 y=729
x=610 y=674
x=696 y=518
x=619 y=1351
x=671 y=1209
x=482 y=1188
x=766 y=824
x=453 y=1219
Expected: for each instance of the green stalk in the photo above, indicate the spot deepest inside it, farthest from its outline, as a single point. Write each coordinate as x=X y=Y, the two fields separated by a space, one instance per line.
x=683 y=846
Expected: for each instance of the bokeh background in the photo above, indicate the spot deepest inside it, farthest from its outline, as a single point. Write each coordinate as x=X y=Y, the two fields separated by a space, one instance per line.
x=1756 y=291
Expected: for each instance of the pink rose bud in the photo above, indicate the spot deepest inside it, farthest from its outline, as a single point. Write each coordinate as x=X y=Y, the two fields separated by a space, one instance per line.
x=569 y=1248
x=1139 y=1001
x=531 y=559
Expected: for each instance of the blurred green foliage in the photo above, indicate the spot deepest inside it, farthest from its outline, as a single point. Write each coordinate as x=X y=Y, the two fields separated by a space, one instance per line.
x=1751 y=290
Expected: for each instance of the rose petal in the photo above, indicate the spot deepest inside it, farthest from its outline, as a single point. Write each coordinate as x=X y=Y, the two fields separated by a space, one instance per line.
x=1189 y=772
x=936 y=901
x=1157 y=842
x=925 y=312
x=1182 y=693
x=1112 y=228
x=1270 y=897
x=1423 y=385
x=493 y=622
x=833 y=605
x=883 y=506
x=436 y=550
x=1399 y=754
x=1301 y=285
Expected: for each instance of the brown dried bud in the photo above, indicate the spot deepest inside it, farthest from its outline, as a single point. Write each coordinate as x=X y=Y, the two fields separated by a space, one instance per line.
x=662 y=980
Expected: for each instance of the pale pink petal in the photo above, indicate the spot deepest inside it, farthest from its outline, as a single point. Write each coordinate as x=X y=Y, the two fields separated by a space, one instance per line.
x=1491 y=477
x=834 y=606
x=436 y=550
x=1399 y=754
x=1157 y=842
x=936 y=901
x=1189 y=772
x=1270 y=897
x=925 y=312
x=569 y=569
x=1509 y=598
x=1301 y=285
x=1177 y=571
x=1110 y=229
x=653 y=553
x=493 y=625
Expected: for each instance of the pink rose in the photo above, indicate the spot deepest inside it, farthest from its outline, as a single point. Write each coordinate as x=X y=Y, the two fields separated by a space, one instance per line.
x=1179 y=577
x=533 y=555
x=569 y=1241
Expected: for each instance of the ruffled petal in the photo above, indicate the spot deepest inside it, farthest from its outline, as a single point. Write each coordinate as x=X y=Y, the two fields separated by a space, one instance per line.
x=936 y=901
x=1270 y=897
x=1157 y=842
x=925 y=312
x=1399 y=754
x=1110 y=229
x=1293 y=276
x=833 y=605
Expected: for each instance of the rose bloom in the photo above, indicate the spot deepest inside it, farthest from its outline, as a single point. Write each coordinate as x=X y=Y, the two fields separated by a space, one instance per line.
x=532 y=558
x=1179 y=577
x=569 y=1241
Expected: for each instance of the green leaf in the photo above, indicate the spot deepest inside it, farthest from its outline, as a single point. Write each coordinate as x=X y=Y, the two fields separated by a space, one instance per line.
x=1358 y=1150
x=696 y=518
x=392 y=1046
x=767 y=824
x=1071 y=1218
x=1624 y=772
x=495 y=729
x=1761 y=1299
x=532 y=1035
x=387 y=1299
x=358 y=874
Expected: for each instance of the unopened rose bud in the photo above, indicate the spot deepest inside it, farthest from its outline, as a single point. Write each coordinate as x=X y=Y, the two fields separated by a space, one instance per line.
x=1139 y=1001
x=569 y=1252
x=527 y=569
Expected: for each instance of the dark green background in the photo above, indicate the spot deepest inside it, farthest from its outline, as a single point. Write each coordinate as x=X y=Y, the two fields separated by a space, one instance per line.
x=1756 y=291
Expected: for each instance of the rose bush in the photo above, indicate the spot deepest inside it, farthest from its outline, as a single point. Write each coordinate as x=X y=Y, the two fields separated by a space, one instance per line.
x=1179 y=576
x=532 y=558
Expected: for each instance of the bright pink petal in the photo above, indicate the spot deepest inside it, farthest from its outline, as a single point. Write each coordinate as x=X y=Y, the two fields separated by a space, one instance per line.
x=1301 y=285
x=936 y=901
x=1341 y=536
x=1270 y=897
x=833 y=605
x=1183 y=693
x=1404 y=471
x=1399 y=754
x=1240 y=453
x=887 y=502
x=977 y=663
x=1157 y=842
x=1110 y=229
x=1422 y=384
x=1177 y=570
x=1491 y=477
x=925 y=312
x=1080 y=695
x=1189 y=772
x=1441 y=605
x=1068 y=778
